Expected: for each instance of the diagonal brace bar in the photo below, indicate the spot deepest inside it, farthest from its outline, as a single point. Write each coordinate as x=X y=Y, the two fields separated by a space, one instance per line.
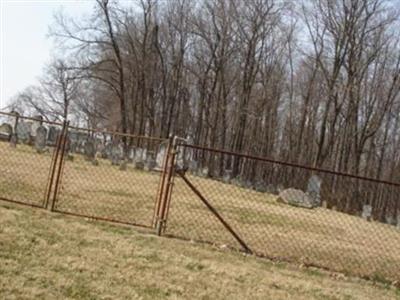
x=215 y=212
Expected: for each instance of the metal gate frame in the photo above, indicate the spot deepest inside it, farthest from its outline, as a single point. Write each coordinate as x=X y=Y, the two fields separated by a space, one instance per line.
x=163 y=193
x=53 y=163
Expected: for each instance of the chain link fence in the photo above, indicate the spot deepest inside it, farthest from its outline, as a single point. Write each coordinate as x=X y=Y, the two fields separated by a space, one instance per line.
x=110 y=176
x=268 y=208
x=287 y=212
x=27 y=150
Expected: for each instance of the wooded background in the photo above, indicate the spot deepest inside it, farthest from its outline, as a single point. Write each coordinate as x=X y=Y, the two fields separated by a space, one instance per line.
x=312 y=82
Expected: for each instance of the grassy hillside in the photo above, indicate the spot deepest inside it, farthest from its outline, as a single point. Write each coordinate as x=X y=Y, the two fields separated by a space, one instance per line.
x=319 y=237
x=47 y=256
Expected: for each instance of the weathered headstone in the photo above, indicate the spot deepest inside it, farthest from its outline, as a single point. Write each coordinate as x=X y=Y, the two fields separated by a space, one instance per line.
x=96 y=159
x=150 y=161
x=139 y=165
x=238 y=181
x=52 y=136
x=40 y=139
x=193 y=166
x=106 y=152
x=270 y=188
x=314 y=189
x=248 y=184
x=366 y=212
x=259 y=186
x=74 y=141
x=205 y=172
x=280 y=188
x=131 y=154
x=138 y=154
x=35 y=125
x=116 y=154
x=123 y=165
x=24 y=131
x=179 y=159
x=391 y=220
x=6 y=131
x=160 y=157
x=90 y=150
x=227 y=176
x=296 y=198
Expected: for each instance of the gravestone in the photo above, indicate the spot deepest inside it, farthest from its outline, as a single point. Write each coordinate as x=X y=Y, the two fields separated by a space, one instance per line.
x=138 y=155
x=123 y=165
x=35 y=125
x=74 y=141
x=314 y=189
x=205 y=172
x=67 y=147
x=24 y=132
x=270 y=188
x=391 y=220
x=139 y=165
x=106 y=152
x=5 y=131
x=179 y=160
x=52 y=136
x=260 y=187
x=95 y=161
x=150 y=161
x=131 y=154
x=295 y=197
x=116 y=154
x=40 y=139
x=160 y=157
x=227 y=176
x=90 y=150
x=144 y=155
x=280 y=188
x=366 y=212
x=193 y=166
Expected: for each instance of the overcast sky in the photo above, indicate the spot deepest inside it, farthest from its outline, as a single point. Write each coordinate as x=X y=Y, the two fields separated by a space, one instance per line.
x=24 y=47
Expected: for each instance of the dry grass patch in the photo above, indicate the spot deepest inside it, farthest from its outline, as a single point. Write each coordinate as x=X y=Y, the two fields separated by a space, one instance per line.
x=48 y=256
x=318 y=237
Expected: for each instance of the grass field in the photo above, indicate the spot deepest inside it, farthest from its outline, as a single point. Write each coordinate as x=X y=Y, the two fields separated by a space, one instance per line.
x=319 y=237
x=47 y=256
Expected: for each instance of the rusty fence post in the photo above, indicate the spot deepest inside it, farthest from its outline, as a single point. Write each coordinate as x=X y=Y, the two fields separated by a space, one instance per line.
x=166 y=188
x=55 y=169
x=53 y=166
x=60 y=166
x=161 y=185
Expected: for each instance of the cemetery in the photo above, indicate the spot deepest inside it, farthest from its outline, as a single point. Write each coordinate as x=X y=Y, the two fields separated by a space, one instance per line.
x=277 y=221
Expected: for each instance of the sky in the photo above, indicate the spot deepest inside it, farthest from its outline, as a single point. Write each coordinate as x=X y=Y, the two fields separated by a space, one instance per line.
x=24 y=45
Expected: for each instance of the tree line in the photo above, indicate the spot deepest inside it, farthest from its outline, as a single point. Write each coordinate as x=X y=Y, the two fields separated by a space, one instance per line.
x=313 y=82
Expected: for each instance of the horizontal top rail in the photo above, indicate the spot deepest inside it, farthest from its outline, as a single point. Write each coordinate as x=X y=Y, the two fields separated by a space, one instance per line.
x=269 y=160
x=97 y=130
x=30 y=118
x=118 y=133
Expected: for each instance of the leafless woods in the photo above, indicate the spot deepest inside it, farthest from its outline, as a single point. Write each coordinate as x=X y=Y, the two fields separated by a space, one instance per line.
x=313 y=82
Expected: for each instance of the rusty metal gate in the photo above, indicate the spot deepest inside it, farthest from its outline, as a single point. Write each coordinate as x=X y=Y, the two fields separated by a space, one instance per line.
x=27 y=162
x=123 y=190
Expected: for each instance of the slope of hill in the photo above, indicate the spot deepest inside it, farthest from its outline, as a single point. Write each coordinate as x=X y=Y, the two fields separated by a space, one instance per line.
x=45 y=255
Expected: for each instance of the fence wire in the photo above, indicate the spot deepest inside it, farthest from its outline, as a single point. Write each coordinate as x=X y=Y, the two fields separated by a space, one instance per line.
x=103 y=179
x=275 y=209
x=291 y=213
x=27 y=148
